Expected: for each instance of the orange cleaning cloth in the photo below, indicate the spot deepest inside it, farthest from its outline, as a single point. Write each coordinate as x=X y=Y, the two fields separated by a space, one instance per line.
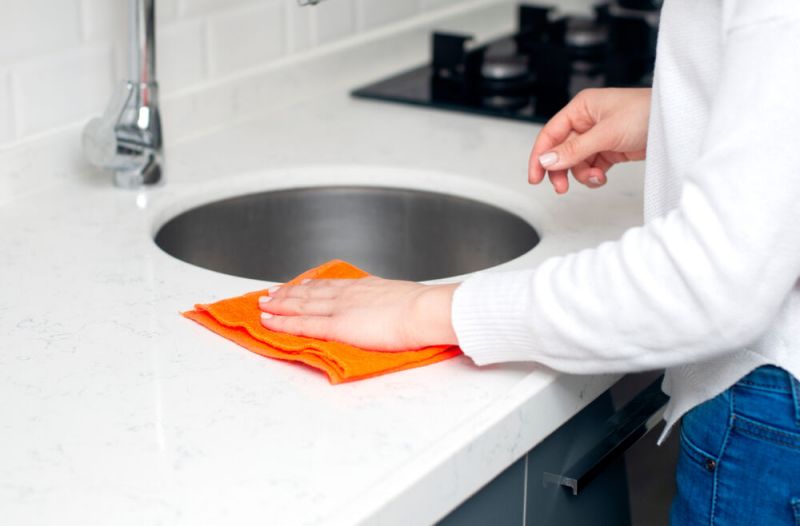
x=239 y=320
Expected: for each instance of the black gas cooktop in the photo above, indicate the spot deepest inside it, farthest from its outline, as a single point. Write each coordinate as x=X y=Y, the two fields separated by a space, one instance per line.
x=531 y=74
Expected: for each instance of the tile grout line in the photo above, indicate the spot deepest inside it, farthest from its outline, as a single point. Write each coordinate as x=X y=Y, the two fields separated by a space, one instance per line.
x=313 y=29
x=12 y=83
x=84 y=21
x=289 y=41
x=360 y=16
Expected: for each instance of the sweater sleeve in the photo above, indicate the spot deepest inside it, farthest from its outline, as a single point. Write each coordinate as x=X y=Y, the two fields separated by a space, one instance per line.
x=705 y=279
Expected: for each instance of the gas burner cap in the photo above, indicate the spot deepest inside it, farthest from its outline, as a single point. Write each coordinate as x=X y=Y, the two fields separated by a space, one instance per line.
x=504 y=102
x=584 y=32
x=504 y=69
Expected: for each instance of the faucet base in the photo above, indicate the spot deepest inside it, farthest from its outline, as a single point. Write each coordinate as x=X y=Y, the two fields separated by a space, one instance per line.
x=148 y=175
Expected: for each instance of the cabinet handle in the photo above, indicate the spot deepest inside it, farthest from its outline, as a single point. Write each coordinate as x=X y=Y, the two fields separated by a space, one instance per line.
x=621 y=431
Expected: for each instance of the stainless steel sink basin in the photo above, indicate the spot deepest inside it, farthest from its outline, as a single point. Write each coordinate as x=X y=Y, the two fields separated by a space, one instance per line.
x=393 y=233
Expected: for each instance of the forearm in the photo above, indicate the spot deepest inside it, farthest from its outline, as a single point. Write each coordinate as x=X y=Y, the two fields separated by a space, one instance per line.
x=705 y=279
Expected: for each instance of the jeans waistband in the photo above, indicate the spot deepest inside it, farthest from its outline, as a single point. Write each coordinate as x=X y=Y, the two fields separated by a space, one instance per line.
x=772 y=378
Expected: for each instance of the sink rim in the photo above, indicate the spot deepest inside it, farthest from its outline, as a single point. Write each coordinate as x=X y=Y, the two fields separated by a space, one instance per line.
x=182 y=197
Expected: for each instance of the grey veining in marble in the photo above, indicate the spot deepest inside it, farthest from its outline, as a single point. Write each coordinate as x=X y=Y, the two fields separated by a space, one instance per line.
x=116 y=410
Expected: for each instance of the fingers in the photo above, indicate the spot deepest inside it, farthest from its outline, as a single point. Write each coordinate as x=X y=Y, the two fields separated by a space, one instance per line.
x=578 y=153
x=603 y=162
x=312 y=289
x=309 y=326
x=577 y=148
x=592 y=172
x=310 y=298
x=559 y=180
x=570 y=140
x=296 y=306
x=556 y=131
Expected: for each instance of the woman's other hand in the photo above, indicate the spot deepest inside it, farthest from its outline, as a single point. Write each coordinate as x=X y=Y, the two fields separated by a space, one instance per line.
x=372 y=313
x=597 y=129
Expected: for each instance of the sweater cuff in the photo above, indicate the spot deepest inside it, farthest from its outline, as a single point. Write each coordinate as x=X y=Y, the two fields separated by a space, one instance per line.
x=489 y=316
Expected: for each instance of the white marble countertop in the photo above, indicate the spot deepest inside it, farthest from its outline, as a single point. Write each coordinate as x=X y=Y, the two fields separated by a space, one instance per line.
x=116 y=410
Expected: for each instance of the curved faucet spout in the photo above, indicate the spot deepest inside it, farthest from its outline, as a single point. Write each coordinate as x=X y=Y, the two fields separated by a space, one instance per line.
x=128 y=138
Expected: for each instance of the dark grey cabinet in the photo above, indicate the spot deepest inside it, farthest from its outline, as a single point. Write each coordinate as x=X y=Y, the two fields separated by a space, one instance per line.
x=510 y=499
x=501 y=501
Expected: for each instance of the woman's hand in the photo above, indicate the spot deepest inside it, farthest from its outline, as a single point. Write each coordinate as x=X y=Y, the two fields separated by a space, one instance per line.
x=597 y=129
x=371 y=313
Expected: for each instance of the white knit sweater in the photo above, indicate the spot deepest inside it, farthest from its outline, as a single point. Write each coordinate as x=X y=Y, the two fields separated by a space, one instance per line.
x=708 y=287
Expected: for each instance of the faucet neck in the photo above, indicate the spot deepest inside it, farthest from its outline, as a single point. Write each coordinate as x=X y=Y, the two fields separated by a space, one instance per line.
x=142 y=41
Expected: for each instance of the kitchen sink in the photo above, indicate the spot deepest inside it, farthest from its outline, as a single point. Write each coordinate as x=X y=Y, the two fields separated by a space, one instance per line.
x=391 y=232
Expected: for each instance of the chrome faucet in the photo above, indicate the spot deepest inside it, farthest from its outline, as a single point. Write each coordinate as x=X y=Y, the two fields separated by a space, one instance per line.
x=127 y=139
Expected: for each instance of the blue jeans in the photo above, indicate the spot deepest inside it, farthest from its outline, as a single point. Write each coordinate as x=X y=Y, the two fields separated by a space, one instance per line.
x=740 y=455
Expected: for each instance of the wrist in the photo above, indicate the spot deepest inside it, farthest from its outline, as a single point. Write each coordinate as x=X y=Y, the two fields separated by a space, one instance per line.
x=433 y=321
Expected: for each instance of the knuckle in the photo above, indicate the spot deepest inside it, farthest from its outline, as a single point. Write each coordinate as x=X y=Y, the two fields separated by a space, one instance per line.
x=280 y=307
x=586 y=95
x=545 y=137
x=281 y=292
x=297 y=307
x=569 y=149
x=580 y=99
x=305 y=292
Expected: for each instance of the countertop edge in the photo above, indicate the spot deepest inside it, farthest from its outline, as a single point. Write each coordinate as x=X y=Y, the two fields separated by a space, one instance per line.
x=506 y=433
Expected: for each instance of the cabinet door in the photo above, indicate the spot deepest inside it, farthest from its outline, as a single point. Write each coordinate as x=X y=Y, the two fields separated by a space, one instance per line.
x=510 y=499
x=603 y=502
x=499 y=502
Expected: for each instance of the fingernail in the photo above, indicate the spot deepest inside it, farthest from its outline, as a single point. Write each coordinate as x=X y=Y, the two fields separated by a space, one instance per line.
x=305 y=281
x=265 y=316
x=548 y=159
x=264 y=299
x=273 y=290
x=595 y=180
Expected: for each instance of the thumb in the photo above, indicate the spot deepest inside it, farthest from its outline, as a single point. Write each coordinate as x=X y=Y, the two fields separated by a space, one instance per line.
x=577 y=148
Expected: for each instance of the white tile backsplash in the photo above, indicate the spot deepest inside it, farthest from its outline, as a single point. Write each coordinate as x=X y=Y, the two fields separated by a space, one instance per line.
x=32 y=27
x=60 y=58
x=62 y=88
x=437 y=4
x=104 y=20
x=6 y=113
x=299 y=35
x=166 y=10
x=333 y=20
x=246 y=37
x=200 y=7
x=181 y=55
x=374 y=13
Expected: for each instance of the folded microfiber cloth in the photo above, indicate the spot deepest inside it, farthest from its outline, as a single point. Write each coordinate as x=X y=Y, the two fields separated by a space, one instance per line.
x=239 y=320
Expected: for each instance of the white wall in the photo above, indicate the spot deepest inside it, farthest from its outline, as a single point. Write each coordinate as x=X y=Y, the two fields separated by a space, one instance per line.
x=59 y=59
